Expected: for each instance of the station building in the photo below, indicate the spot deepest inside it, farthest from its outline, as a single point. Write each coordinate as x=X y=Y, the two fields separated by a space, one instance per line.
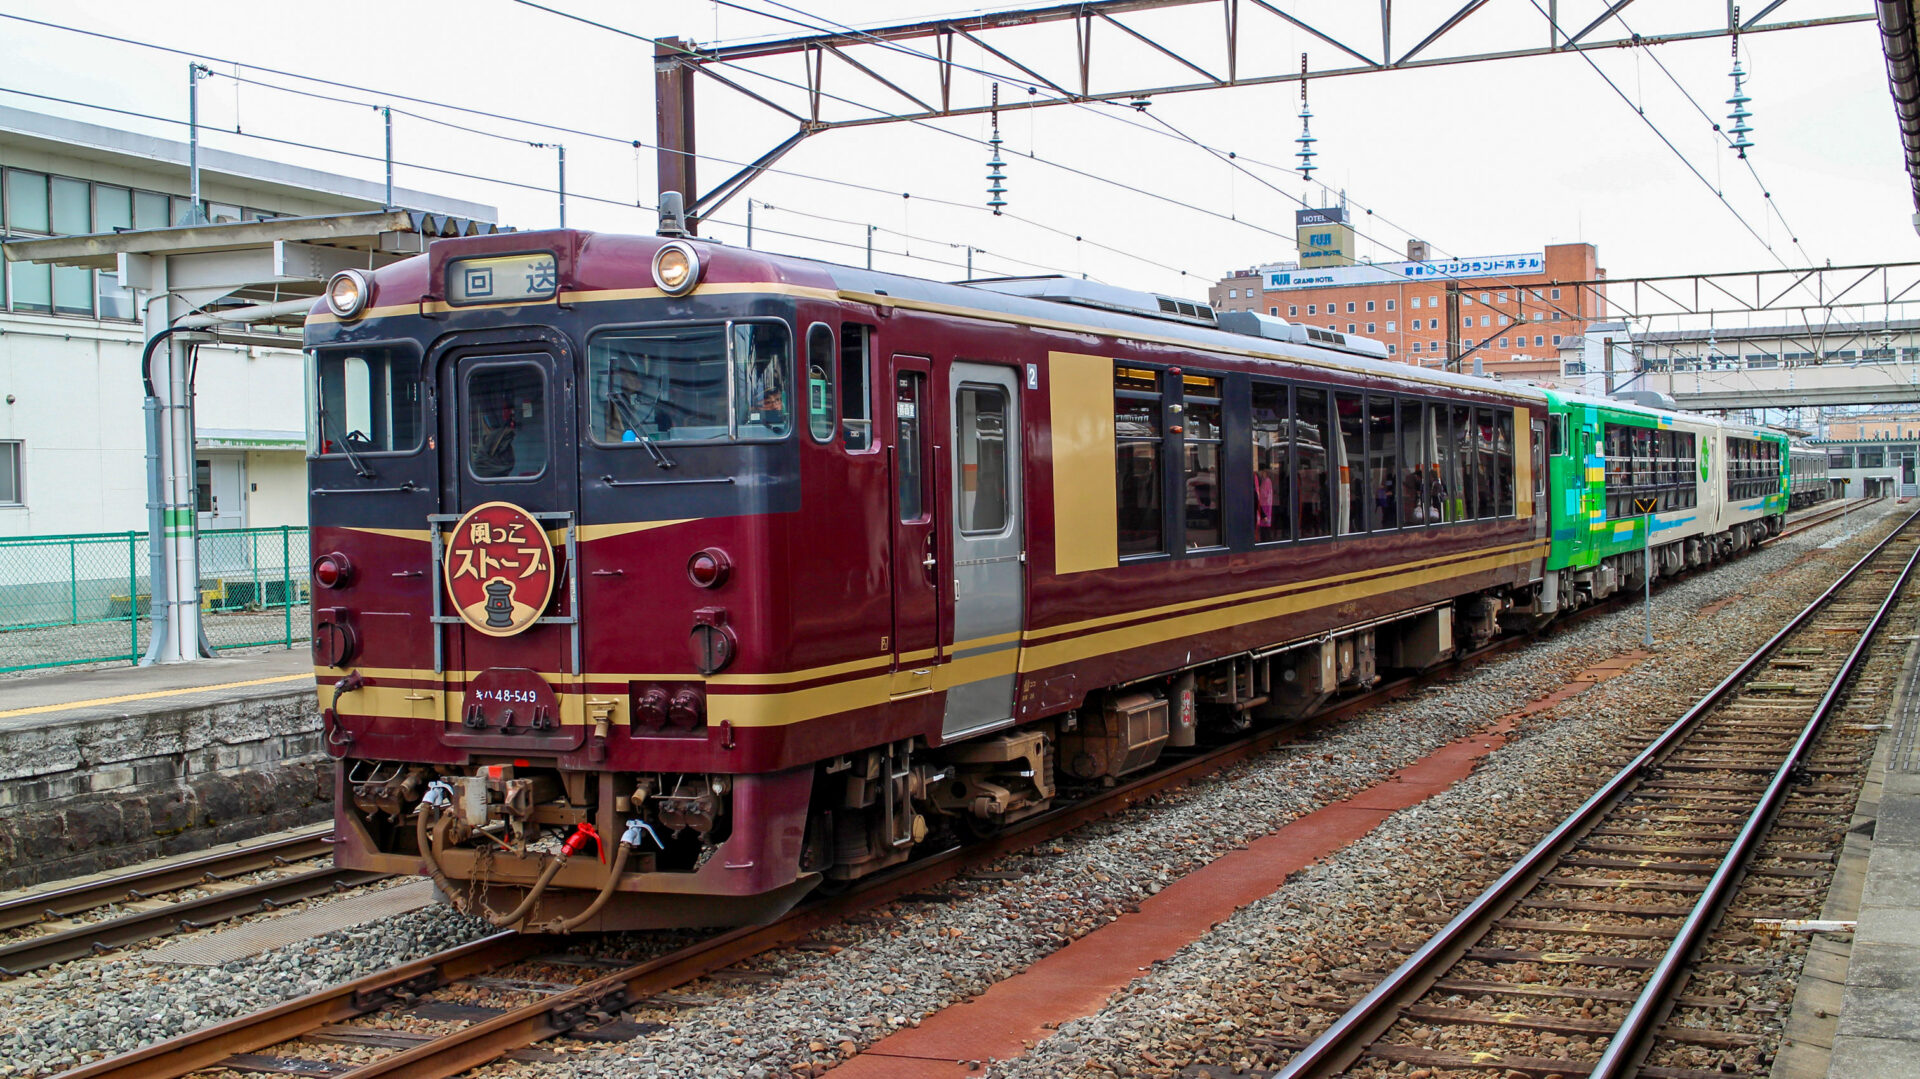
x=1514 y=313
x=1876 y=464
x=72 y=451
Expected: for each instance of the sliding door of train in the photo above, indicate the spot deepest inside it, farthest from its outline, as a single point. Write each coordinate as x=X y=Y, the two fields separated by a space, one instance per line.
x=916 y=548
x=987 y=540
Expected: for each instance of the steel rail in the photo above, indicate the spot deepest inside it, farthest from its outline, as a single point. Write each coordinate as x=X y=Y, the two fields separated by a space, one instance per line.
x=1343 y=1042
x=30 y=953
x=42 y=906
x=1821 y=516
x=1637 y=1031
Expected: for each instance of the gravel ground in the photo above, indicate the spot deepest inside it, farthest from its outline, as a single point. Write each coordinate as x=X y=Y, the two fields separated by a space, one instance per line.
x=813 y=1007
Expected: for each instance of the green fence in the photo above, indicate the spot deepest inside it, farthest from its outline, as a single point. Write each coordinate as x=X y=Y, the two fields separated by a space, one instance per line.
x=67 y=600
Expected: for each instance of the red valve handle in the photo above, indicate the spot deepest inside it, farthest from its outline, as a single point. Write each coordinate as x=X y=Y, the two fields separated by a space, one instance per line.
x=579 y=839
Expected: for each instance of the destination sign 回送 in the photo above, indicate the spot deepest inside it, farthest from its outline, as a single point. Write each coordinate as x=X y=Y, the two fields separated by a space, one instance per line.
x=503 y=278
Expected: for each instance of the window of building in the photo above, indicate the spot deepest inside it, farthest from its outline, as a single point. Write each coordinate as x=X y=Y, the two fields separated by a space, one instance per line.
x=1369 y=327
x=1873 y=457
x=10 y=477
x=1503 y=297
x=1274 y=311
x=1465 y=300
x=1415 y=347
x=1391 y=350
x=1504 y=320
x=26 y=201
x=1556 y=339
x=1539 y=339
x=1484 y=299
x=1369 y=305
x=1389 y=305
x=1293 y=309
x=1466 y=321
x=1390 y=326
x=1416 y=302
x=1556 y=294
x=1538 y=315
x=1350 y=328
x=1486 y=320
x=1313 y=309
x=1349 y=307
x=1503 y=342
x=1137 y=461
x=1536 y=292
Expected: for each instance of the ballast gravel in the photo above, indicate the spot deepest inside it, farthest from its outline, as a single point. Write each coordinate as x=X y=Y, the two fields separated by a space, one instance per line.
x=858 y=981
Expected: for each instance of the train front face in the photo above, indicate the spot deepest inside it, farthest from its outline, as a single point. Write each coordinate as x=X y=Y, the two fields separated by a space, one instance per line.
x=551 y=506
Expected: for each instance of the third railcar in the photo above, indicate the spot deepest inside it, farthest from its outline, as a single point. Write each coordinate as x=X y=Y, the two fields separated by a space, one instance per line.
x=1807 y=482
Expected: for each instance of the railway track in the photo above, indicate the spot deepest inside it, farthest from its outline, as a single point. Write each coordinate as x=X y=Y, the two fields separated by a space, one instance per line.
x=498 y=996
x=1629 y=887
x=73 y=936
x=1820 y=515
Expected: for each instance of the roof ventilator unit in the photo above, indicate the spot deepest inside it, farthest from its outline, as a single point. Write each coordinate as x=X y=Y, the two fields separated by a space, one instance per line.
x=1085 y=293
x=1254 y=324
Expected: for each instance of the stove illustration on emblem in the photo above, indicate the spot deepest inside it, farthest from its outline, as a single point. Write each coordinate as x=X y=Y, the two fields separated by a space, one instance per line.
x=499 y=569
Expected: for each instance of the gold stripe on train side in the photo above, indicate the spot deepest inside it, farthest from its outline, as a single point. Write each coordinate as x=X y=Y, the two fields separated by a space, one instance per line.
x=788 y=706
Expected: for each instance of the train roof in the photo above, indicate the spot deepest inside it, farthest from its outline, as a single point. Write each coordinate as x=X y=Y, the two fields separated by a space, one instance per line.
x=613 y=265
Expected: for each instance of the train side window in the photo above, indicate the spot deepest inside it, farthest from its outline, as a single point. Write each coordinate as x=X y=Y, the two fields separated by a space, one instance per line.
x=909 y=447
x=1418 y=484
x=1462 y=478
x=1137 y=433
x=1201 y=442
x=1311 y=445
x=1557 y=434
x=982 y=459
x=1504 y=475
x=763 y=401
x=1444 y=490
x=856 y=404
x=1272 y=465
x=1383 y=462
x=1485 y=501
x=820 y=368
x=1350 y=464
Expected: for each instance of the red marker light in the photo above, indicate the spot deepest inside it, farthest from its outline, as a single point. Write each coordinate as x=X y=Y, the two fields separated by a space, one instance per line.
x=332 y=571
x=708 y=568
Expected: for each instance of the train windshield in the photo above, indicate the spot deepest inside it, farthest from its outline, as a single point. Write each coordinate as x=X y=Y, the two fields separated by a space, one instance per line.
x=363 y=400
x=691 y=383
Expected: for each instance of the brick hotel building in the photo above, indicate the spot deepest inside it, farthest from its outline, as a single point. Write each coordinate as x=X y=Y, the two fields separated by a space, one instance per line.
x=1516 y=304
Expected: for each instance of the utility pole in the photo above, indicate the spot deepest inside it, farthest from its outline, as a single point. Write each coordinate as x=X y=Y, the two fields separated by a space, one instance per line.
x=387 y=115
x=673 y=121
x=195 y=72
x=749 y=224
x=1452 y=360
x=563 y=184
x=870 y=229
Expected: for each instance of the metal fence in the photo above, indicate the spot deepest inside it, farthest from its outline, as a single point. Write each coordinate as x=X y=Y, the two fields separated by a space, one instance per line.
x=66 y=600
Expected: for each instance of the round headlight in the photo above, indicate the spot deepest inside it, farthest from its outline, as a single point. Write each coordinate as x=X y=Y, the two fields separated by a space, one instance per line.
x=676 y=268
x=347 y=293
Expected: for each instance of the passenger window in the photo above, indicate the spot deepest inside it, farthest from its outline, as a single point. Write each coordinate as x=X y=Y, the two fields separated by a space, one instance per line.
x=1462 y=479
x=1383 y=463
x=982 y=459
x=658 y=385
x=1557 y=431
x=909 y=447
x=1137 y=480
x=1202 y=440
x=1351 y=465
x=1504 y=475
x=1484 y=499
x=1272 y=465
x=856 y=411
x=1419 y=472
x=1310 y=433
x=1446 y=471
x=820 y=364
x=506 y=421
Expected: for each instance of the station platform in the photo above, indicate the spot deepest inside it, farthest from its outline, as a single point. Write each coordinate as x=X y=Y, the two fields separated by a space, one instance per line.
x=106 y=767
x=1860 y=997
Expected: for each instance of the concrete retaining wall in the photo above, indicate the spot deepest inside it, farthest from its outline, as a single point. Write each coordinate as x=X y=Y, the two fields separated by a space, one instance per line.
x=82 y=795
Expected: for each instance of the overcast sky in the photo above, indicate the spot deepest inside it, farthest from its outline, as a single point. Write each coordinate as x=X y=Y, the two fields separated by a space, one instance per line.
x=1485 y=158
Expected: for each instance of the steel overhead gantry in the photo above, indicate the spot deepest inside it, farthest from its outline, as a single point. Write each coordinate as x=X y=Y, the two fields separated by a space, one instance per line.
x=228 y=283
x=1360 y=40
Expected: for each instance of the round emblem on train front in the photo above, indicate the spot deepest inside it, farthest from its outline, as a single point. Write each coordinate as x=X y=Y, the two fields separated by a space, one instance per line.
x=499 y=569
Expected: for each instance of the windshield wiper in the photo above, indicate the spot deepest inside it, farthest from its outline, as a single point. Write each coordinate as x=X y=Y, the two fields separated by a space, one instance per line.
x=359 y=466
x=624 y=403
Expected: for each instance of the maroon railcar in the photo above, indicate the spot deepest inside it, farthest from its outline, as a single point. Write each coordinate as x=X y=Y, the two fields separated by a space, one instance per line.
x=658 y=581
